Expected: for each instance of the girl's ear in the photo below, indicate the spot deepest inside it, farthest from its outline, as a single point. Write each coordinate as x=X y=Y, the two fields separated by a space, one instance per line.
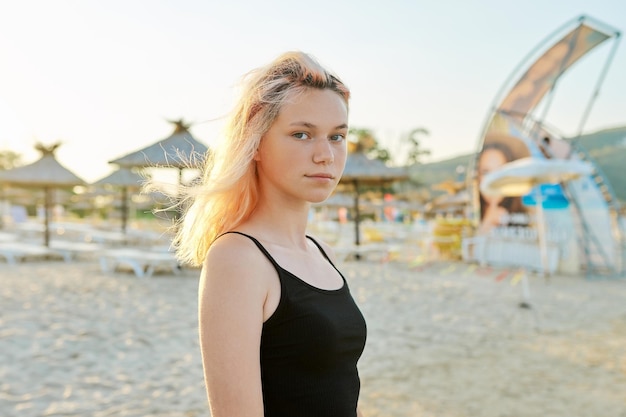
x=257 y=153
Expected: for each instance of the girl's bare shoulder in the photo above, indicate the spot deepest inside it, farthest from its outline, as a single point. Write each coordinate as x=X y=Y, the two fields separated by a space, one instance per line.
x=235 y=256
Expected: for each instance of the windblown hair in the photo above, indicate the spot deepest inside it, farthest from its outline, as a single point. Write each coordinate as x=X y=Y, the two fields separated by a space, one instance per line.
x=228 y=192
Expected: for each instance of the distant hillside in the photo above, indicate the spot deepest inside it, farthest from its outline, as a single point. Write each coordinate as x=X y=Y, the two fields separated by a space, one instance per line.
x=436 y=172
x=607 y=148
x=603 y=138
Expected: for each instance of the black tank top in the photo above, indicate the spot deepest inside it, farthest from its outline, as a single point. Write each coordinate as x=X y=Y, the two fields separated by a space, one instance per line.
x=309 y=349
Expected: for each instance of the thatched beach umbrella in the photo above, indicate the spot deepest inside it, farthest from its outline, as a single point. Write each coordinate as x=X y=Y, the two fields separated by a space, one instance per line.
x=179 y=150
x=361 y=170
x=449 y=186
x=456 y=202
x=126 y=180
x=46 y=173
x=93 y=198
x=456 y=199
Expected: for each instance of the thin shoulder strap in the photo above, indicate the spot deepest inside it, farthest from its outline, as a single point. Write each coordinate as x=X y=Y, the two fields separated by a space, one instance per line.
x=267 y=254
x=258 y=244
x=321 y=250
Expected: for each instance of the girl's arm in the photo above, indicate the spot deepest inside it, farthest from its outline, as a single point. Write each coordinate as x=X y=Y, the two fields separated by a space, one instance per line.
x=231 y=299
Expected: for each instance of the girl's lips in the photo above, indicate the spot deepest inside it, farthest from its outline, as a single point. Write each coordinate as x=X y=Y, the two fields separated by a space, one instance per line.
x=321 y=175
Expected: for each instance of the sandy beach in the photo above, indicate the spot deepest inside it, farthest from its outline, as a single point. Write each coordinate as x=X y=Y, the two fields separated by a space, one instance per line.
x=444 y=340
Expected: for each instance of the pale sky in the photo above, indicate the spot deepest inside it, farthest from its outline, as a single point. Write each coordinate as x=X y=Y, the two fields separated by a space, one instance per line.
x=103 y=76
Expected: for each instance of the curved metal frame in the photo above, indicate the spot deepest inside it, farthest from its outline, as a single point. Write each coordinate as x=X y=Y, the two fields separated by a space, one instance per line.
x=516 y=73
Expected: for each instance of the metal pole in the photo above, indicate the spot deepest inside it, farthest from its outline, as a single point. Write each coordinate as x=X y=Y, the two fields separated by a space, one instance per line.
x=124 y=208
x=357 y=215
x=596 y=91
x=541 y=233
x=47 y=203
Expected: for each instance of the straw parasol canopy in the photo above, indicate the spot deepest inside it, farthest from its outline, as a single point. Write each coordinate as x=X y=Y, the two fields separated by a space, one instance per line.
x=450 y=202
x=449 y=186
x=368 y=171
x=46 y=173
x=126 y=180
x=179 y=150
x=122 y=177
x=361 y=170
x=456 y=198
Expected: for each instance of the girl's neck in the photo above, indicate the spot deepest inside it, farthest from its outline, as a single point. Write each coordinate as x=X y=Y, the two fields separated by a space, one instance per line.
x=279 y=224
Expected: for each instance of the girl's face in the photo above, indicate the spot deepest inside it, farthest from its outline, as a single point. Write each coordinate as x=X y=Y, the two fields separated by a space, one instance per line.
x=303 y=154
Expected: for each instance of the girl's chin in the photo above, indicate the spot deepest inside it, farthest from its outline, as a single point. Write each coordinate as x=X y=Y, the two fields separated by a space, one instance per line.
x=318 y=199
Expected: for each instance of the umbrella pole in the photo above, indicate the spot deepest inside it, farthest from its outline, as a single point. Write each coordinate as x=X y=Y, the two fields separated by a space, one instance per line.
x=124 y=208
x=541 y=233
x=2 y=207
x=357 y=215
x=46 y=216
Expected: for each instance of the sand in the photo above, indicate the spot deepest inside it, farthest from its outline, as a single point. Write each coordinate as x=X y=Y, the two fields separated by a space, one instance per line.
x=444 y=339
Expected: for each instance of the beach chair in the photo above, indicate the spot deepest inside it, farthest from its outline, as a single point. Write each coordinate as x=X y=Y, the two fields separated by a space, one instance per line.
x=19 y=251
x=71 y=250
x=368 y=251
x=7 y=237
x=143 y=262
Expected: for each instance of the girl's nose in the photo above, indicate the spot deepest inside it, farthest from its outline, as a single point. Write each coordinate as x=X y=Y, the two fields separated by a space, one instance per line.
x=323 y=152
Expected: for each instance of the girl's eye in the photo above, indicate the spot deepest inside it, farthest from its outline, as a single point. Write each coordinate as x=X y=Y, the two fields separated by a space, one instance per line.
x=301 y=135
x=337 y=138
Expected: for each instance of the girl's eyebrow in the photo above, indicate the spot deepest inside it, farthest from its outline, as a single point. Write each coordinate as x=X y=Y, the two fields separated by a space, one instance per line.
x=312 y=126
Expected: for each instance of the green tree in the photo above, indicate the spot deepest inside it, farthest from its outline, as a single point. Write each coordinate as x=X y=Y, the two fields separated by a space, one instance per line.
x=9 y=159
x=363 y=140
x=416 y=150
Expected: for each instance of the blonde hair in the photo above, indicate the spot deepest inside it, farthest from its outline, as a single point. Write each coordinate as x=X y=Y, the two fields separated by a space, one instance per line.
x=228 y=192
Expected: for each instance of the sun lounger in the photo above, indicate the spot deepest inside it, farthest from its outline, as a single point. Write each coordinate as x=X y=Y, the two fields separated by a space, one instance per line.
x=7 y=237
x=142 y=262
x=19 y=251
x=106 y=237
x=70 y=250
x=351 y=252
